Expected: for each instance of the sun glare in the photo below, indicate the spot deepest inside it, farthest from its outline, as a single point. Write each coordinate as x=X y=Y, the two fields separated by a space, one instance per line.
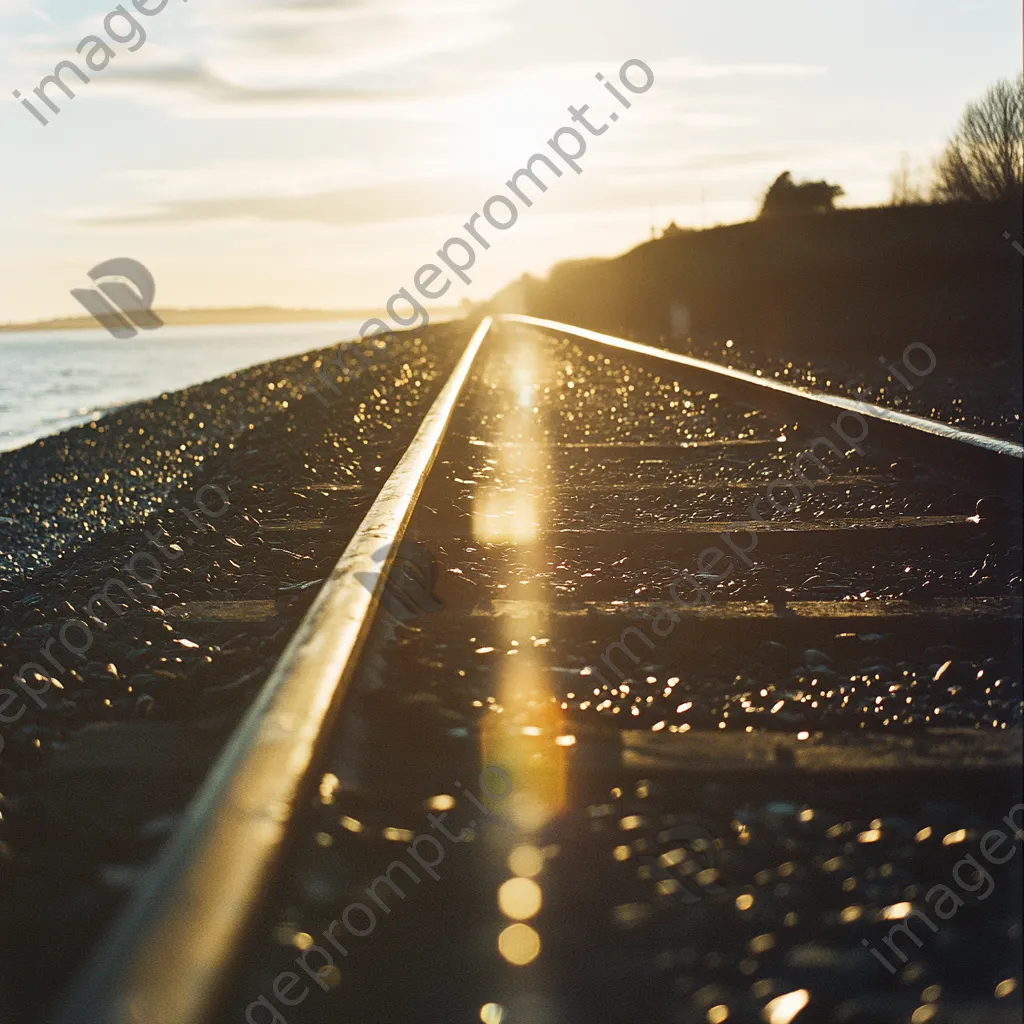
x=504 y=129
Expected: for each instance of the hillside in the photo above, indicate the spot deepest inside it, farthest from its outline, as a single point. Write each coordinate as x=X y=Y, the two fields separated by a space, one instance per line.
x=853 y=284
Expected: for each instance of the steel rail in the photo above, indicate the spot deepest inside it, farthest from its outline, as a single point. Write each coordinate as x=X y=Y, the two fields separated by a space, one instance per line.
x=933 y=428
x=167 y=956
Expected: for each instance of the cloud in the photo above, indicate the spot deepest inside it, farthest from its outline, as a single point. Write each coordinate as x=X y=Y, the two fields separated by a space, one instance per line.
x=201 y=82
x=310 y=57
x=349 y=207
x=26 y=5
x=317 y=39
x=687 y=67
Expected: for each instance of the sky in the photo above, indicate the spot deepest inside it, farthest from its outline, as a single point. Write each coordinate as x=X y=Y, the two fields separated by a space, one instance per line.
x=310 y=153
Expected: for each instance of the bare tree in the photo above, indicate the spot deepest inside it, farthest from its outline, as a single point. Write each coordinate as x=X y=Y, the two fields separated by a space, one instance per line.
x=906 y=185
x=984 y=160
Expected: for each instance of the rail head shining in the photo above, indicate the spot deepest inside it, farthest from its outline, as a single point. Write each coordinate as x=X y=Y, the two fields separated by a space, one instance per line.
x=995 y=445
x=166 y=958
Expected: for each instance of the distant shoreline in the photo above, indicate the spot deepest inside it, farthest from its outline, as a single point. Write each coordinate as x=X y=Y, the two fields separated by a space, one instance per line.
x=234 y=315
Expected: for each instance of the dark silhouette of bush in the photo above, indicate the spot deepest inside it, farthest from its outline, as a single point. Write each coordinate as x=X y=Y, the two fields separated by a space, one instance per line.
x=785 y=197
x=984 y=160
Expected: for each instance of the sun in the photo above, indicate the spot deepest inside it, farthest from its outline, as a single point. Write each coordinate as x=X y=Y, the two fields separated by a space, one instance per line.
x=504 y=128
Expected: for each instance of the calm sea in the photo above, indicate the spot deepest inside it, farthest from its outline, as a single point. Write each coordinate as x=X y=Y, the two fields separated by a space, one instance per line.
x=50 y=380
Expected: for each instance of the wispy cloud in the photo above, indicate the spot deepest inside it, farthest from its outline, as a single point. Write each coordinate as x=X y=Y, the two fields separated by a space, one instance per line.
x=27 y=6
x=310 y=57
x=199 y=81
x=688 y=67
x=346 y=207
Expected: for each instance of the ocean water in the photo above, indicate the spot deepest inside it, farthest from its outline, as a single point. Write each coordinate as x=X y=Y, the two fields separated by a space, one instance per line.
x=51 y=380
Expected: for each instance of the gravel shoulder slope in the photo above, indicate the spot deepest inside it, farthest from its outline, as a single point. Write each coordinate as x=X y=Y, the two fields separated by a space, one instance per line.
x=153 y=565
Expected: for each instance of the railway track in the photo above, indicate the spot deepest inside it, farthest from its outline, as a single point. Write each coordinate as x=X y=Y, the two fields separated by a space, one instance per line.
x=646 y=690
